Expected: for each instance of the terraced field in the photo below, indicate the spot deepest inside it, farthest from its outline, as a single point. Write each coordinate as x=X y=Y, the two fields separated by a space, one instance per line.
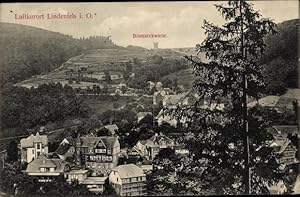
x=101 y=59
x=97 y=61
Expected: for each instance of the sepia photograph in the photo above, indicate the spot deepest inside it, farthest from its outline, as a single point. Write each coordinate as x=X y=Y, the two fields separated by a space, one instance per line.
x=159 y=98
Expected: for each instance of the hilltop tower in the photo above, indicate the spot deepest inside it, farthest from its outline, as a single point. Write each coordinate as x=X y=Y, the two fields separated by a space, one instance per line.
x=155 y=45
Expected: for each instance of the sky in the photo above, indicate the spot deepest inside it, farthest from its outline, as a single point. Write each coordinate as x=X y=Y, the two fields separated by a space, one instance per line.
x=180 y=21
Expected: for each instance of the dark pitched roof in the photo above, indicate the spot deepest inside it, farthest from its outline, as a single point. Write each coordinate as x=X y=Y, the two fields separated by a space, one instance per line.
x=89 y=141
x=93 y=141
x=63 y=148
x=157 y=139
x=284 y=129
x=86 y=141
x=281 y=145
x=109 y=141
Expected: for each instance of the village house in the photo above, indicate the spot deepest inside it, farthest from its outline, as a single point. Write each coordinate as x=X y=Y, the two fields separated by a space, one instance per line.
x=112 y=128
x=100 y=154
x=159 y=86
x=287 y=151
x=168 y=91
x=282 y=143
x=174 y=100
x=136 y=153
x=76 y=175
x=46 y=168
x=66 y=149
x=151 y=85
x=165 y=116
x=158 y=97
x=171 y=102
x=33 y=146
x=282 y=103
x=128 y=180
x=142 y=115
x=284 y=131
x=94 y=184
x=150 y=147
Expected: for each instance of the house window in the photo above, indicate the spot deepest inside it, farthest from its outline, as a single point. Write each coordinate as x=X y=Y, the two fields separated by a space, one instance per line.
x=117 y=179
x=108 y=151
x=38 y=146
x=38 y=153
x=32 y=151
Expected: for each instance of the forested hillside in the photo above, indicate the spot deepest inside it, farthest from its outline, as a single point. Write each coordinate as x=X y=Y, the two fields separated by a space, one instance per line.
x=281 y=58
x=28 y=51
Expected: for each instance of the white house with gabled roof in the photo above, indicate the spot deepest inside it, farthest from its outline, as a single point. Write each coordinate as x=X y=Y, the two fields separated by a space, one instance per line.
x=128 y=180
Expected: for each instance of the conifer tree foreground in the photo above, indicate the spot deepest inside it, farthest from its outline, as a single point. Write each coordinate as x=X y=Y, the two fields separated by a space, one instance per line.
x=228 y=148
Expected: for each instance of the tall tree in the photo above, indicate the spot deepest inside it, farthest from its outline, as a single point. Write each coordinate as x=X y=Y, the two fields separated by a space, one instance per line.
x=12 y=151
x=231 y=153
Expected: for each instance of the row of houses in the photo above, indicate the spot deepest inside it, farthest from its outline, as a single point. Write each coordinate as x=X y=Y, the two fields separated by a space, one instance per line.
x=89 y=160
x=92 y=160
x=169 y=102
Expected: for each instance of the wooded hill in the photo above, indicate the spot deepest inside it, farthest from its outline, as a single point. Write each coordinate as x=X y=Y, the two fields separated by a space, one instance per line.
x=281 y=58
x=27 y=51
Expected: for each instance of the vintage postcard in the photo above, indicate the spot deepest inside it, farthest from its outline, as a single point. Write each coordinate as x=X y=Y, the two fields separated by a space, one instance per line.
x=149 y=98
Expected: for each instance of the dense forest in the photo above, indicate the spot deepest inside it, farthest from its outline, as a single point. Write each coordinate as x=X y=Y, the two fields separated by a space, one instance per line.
x=28 y=51
x=26 y=108
x=281 y=58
